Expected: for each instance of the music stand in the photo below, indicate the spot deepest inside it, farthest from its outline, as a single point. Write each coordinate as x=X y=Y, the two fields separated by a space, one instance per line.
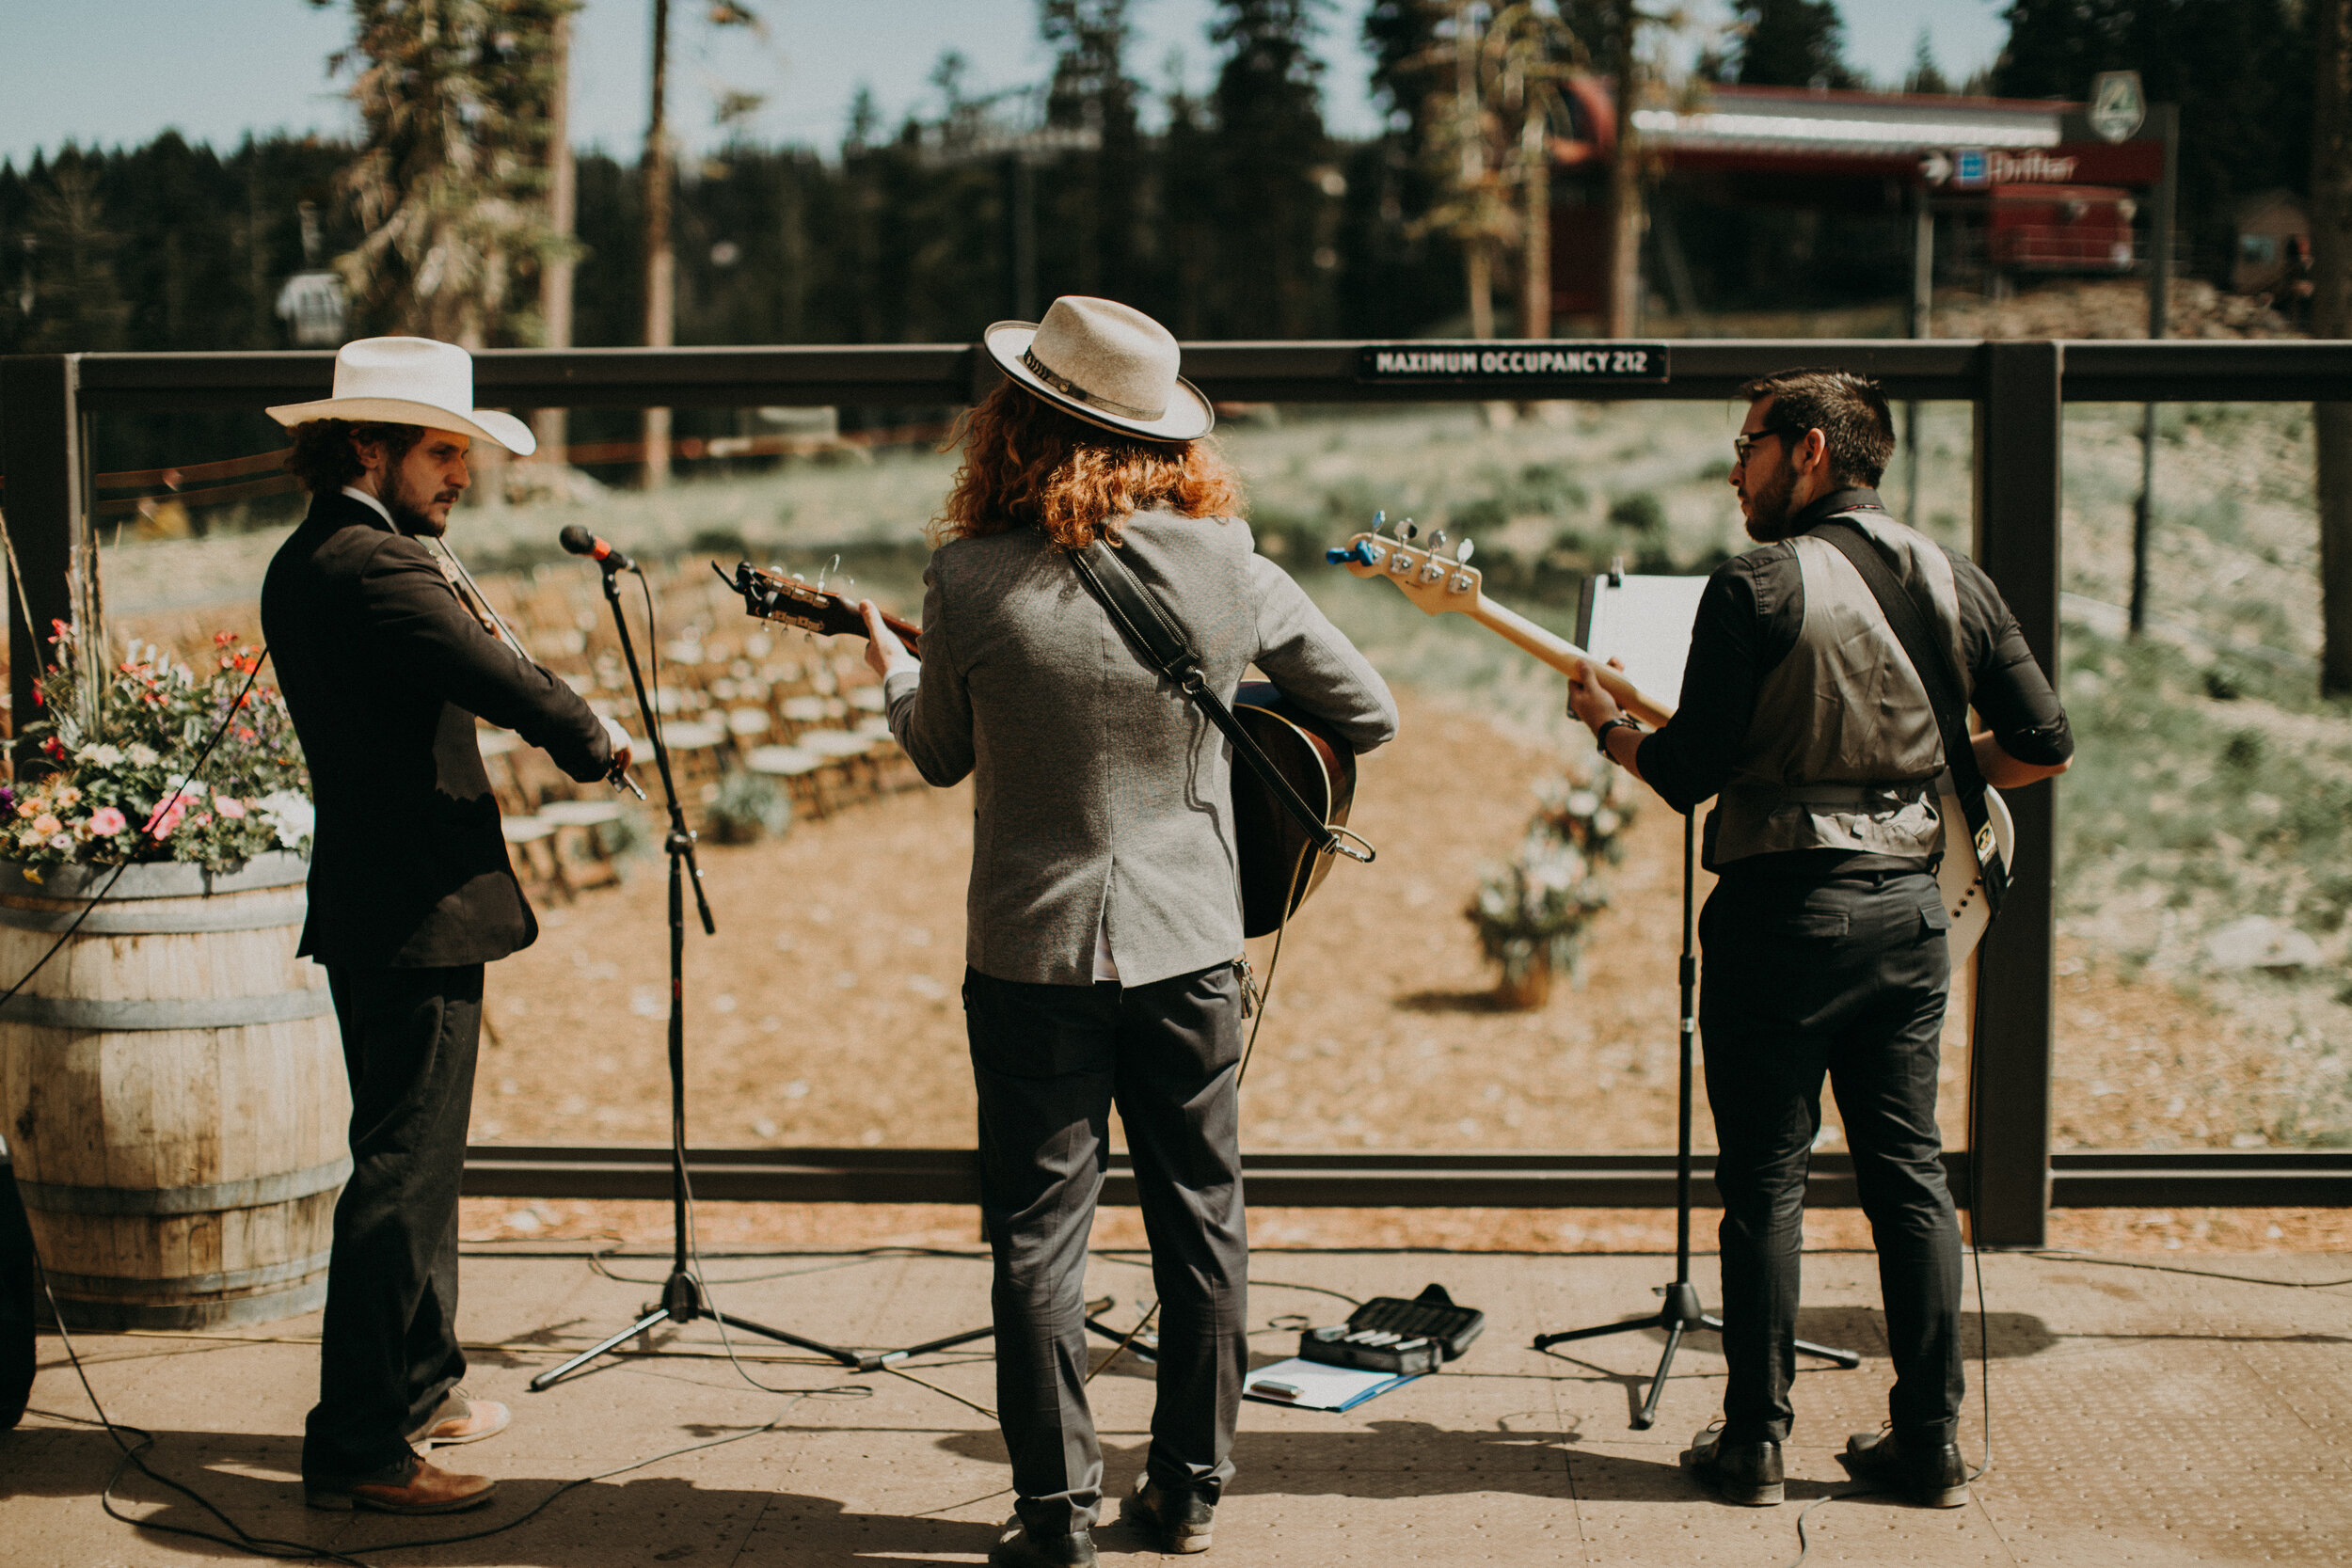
x=1638 y=618
x=682 y=1297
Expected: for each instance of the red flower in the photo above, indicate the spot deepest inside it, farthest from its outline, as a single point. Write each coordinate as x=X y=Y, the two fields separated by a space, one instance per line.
x=222 y=639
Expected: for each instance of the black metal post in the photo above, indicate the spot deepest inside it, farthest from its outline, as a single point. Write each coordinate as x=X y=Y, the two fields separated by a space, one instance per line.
x=46 y=507
x=2164 y=122
x=2019 y=443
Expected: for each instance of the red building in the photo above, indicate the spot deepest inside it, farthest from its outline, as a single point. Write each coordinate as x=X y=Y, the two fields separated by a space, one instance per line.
x=2015 y=186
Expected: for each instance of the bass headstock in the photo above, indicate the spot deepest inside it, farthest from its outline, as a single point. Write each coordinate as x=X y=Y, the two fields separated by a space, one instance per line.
x=1434 y=580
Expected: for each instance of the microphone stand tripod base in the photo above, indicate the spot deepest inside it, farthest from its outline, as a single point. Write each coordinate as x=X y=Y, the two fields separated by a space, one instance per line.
x=1681 y=1312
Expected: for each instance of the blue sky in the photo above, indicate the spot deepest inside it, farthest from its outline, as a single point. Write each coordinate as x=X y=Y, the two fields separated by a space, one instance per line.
x=110 y=71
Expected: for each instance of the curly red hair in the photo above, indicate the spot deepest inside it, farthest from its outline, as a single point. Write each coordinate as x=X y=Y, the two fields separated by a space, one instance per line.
x=1028 y=463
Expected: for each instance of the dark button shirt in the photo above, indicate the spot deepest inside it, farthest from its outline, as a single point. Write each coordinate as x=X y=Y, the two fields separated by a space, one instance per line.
x=1749 y=620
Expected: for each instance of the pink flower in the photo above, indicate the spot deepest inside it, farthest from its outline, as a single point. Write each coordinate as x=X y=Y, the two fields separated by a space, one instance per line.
x=165 y=818
x=106 y=822
x=228 y=806
x=46 y=824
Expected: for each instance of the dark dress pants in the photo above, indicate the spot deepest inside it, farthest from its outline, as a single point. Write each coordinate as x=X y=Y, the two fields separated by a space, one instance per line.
x=389 y=1351
x=1050 y=1061
x=1846 y=976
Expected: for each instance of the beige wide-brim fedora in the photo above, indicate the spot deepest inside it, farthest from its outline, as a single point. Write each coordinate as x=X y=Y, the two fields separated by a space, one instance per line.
x=410 y=381
x=1107 y=363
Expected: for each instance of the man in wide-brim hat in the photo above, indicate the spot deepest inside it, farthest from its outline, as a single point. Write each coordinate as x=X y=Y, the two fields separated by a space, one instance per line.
x=385 y=669
x=1104 y=924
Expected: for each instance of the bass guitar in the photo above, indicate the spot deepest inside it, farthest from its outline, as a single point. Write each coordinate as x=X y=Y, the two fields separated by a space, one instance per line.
x=1442 y=585
x=1269 y=844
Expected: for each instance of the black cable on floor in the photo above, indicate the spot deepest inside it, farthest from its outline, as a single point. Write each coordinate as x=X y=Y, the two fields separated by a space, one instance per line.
x=2056 y=1255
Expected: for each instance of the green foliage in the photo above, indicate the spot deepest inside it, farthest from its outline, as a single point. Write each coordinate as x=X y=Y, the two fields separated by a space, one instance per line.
x=454 y=101
x=749 y=807
x=1537 y=909
x=124 y=741
x=1641 y=512
x=1791 y=43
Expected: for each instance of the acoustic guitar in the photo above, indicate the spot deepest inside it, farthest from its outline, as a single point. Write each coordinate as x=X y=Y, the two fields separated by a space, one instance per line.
x=1440 y=585
x=1271 y=846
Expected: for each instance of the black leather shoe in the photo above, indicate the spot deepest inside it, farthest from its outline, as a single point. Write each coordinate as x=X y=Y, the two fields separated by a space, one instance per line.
x=1174 y=1521
x=1743 y=1473
x=1932 y=1475
x=1016 y=1547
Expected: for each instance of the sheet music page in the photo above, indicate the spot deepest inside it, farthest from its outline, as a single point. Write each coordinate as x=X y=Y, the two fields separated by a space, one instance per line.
x=1646 y=622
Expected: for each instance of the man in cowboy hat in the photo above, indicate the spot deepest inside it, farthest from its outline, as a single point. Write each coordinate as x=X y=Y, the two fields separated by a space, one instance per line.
x=385 y=669
x=1104 y=924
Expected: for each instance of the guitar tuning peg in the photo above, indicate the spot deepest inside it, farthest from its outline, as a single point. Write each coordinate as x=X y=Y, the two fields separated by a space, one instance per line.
x=1409 y=530
x=1436 y=541
x=1379 y=520
x=1462 y=551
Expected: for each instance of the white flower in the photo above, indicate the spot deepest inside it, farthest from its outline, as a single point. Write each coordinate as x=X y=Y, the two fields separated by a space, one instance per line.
x=101 y=755
x=290 y=815
x=142 y=755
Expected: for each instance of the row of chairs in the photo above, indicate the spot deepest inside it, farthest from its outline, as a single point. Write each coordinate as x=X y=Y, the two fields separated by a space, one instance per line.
x=734 y=694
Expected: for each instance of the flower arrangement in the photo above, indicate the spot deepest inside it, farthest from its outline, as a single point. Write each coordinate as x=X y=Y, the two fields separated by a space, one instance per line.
x=1533 y=913
x=122 y=741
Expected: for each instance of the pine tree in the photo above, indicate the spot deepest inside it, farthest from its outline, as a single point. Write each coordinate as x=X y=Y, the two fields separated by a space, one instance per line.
x=77 y=303
x=1271 y=149
x=448 y=186
x=1926 y=75
x=1791 y=43
x=1094 y=200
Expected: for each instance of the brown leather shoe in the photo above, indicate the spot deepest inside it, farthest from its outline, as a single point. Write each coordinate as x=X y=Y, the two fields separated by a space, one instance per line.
x=463 y=1418
x=428 y=1490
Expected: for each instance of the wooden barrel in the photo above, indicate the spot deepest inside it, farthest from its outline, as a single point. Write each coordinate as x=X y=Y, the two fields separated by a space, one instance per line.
x=173 y=1093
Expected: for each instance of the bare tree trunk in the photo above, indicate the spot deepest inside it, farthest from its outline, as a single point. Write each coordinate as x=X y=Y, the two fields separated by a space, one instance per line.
x=661 y=262
x=555 y=272
x=1477 y=252
x=2332 y=313
x=1536 y=255
x=1625 y=186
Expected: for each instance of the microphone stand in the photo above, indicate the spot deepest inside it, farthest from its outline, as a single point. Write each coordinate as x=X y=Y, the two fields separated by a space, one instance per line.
x=682 y=1300
x=1681 y=1311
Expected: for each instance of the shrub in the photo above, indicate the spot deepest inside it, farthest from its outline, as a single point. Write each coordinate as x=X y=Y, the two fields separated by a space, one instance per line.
x=1640 y=512
x=749 y=805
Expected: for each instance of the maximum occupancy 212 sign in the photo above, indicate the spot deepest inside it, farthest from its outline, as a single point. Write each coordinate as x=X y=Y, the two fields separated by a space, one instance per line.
x=1522 y=363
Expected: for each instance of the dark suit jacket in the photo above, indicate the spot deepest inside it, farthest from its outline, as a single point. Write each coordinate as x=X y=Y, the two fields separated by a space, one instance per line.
x=384 y=671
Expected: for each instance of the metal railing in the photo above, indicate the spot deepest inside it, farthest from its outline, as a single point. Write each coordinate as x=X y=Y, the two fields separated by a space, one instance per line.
x=2018 y=390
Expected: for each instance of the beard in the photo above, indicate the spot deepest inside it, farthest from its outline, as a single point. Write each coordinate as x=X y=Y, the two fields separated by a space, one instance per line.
x=407 y=506
x=1768 y=508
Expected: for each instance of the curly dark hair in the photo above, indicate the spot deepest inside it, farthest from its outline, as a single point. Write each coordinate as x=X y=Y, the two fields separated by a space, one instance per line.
x=1848 y=410
x=325 y=456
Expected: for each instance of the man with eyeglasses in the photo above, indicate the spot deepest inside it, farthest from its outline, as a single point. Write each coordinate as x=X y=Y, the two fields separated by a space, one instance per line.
x=1823 y=940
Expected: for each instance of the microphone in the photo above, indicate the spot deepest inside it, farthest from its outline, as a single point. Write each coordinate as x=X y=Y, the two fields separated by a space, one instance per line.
x=579 y=541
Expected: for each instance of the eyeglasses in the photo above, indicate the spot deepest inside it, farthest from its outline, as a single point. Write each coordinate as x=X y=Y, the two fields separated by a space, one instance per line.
x=1743 y=445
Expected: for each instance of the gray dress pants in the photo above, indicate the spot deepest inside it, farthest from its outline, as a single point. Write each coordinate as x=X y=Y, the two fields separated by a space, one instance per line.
x=1050 y=1062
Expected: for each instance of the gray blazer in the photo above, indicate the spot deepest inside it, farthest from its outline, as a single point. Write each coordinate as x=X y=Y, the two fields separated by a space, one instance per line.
x=1101 y=791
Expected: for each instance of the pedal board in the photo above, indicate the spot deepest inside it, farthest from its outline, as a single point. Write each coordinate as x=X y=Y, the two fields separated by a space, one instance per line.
x=1389 y=1333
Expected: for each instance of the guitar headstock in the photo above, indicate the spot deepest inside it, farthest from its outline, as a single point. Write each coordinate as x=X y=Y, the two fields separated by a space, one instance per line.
x=1424 y=574
x=772 y=597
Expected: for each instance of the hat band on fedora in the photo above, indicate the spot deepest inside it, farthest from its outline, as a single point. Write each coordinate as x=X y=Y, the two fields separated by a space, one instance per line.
x=1067 y=387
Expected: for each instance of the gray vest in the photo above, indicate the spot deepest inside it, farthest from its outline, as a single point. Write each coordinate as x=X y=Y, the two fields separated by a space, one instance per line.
x=1843 y=752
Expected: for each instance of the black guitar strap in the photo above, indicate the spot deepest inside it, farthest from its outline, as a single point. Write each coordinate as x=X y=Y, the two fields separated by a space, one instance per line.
x=1909 y=620
x=1161 y=643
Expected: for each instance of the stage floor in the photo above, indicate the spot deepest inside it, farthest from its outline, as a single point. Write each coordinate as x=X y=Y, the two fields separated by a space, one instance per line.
x=2139 y=1418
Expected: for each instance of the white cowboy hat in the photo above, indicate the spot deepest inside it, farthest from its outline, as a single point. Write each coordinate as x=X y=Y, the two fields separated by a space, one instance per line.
x=410 y=381
x=1107 y=363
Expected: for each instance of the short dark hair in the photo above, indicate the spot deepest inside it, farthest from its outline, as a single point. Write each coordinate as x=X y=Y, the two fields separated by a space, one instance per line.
x=326 y=457
x=1848 y=410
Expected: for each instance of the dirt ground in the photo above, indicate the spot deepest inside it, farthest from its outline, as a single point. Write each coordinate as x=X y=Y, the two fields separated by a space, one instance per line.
x=824 y=1013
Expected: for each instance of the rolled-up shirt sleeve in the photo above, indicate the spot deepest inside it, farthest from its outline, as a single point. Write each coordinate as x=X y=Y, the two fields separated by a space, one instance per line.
x=2008 y=691
x=1688 y=760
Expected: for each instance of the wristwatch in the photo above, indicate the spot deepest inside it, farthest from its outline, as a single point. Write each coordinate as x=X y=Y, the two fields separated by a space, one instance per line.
x=1600 y=736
